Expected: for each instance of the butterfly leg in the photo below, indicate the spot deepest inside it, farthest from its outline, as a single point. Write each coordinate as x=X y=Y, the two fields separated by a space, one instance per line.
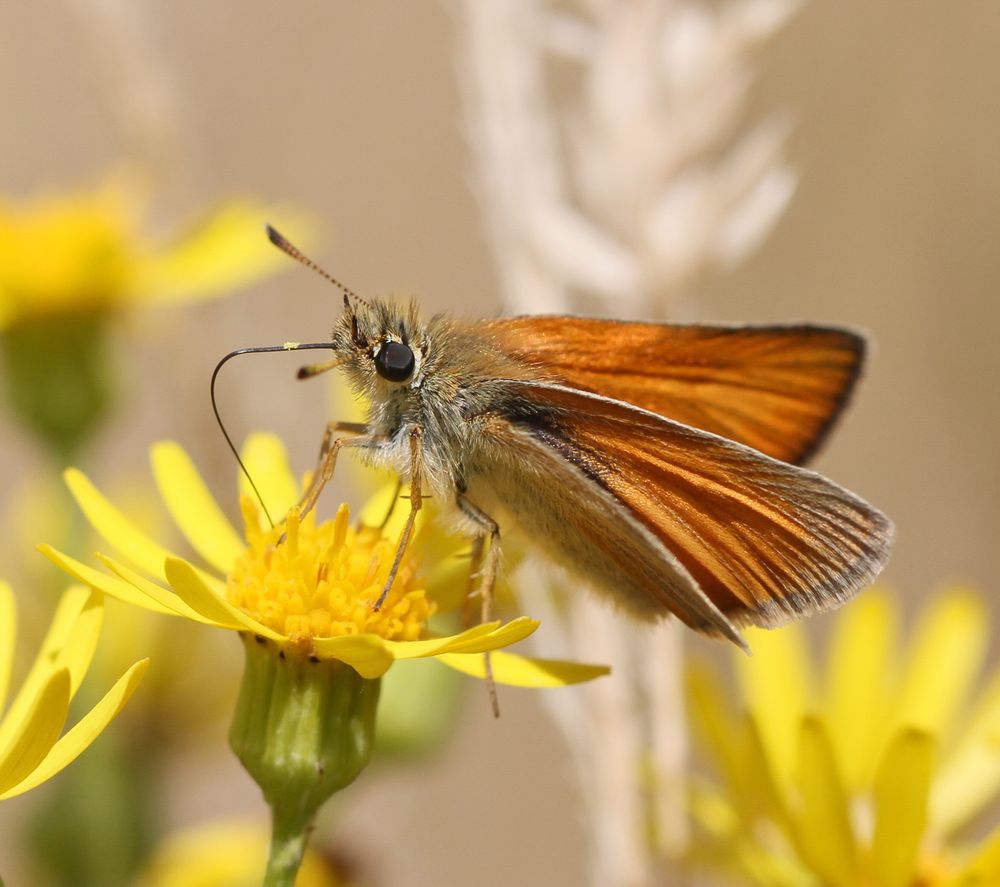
x=488 y=530
x=416 y=500
x=475 y=565
x=328 y=459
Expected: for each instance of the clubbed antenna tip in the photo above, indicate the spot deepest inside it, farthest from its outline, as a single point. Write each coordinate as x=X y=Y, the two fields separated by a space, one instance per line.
x=276 y=237
x=286 y=246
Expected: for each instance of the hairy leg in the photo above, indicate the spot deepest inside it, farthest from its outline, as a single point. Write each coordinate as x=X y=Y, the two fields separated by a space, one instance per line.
x=488 y=531
x=327 y=461
x=416 y=499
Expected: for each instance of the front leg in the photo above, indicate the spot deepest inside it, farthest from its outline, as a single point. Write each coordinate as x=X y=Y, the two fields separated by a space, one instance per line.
x=416 y=500
x=327 y=461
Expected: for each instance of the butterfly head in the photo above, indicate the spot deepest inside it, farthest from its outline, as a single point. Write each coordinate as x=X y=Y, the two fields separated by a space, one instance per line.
x=382 y=345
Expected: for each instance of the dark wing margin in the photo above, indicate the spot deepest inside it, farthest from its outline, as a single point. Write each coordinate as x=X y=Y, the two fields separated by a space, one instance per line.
x=777 y=389
x=765 y=541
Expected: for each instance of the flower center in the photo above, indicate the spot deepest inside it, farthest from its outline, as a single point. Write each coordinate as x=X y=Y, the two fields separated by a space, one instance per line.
x=323 y=581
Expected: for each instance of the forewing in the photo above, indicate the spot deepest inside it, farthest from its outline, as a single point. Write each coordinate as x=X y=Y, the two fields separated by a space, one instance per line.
x=766 y=541
x=777 y=389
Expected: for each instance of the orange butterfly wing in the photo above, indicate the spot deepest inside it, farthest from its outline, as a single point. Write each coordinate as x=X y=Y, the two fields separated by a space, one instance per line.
x=777 y=389
x=766 y=541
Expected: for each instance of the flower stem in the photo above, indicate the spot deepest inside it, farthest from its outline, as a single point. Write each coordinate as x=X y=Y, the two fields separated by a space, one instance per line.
x=289 y=833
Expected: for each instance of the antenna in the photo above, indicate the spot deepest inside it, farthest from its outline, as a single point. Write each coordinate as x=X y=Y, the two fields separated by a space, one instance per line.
x=312 y=370
x=286 y=246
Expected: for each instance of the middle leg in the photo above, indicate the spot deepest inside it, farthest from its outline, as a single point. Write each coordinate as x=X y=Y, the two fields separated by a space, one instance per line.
x=416 y=500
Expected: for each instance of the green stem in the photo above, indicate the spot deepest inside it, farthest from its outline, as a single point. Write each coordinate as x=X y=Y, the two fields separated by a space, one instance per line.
x=290 y=831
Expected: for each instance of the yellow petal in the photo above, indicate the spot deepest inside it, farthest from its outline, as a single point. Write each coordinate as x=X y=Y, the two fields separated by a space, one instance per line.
x=901 y=788
x=8 y=632
x=967 y=785
x=716 y=727
x=61 y=633
x=72 y=603
x=711 y=810
x=108 y=584
x=825 y=838
x=762 y=790
x=193 y=507
x=983 y=869
x=733 y=849
x=203 y=600
x=778 y=687
x=473 y=640
x=84 y=732
x=736 y=747
x=163 y=599
x=945 y=657
x=114 y=527
x=969 y=778
x=225 y=251
x=76 y=648
x=434 y=646
x=862 y=653
x=447 y=583
x=523 y=671
x=514 y=631
x=377 y=506
x=266 y=459
x=365 y=653
x=36 y=732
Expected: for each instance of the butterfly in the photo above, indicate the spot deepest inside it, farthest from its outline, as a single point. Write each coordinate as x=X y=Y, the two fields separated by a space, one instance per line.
x=660 y=462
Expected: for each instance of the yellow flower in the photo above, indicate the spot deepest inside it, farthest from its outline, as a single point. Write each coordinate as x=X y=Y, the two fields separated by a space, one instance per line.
x=31 y=749
x=71 y=265
x=227 y=853
x=865 y=774
x=85 y=252
x=312 y=594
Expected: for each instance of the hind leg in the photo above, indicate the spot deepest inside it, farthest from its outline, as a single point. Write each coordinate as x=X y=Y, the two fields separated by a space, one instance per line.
x=488 y=535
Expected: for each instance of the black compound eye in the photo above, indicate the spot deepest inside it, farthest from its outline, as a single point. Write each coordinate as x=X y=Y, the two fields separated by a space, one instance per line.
x=394 y=361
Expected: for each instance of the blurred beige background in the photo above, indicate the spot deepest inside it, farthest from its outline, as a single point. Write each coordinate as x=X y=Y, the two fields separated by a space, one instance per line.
x=352 y=111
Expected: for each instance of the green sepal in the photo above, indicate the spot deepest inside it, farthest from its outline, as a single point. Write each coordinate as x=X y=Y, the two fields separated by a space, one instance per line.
x=304 y=728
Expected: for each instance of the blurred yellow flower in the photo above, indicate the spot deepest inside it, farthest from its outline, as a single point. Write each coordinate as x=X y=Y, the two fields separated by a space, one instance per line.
x=85 y=252
x=31 y=749
x=72 y=264
x=226 y=853
x=313 y=594
x=864 y=775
